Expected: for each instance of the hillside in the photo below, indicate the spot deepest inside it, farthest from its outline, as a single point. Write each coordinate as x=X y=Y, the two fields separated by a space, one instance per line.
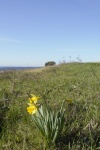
x=78 y=82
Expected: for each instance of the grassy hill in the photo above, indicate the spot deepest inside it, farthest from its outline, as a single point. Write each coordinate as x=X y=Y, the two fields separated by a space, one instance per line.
x=79 y=82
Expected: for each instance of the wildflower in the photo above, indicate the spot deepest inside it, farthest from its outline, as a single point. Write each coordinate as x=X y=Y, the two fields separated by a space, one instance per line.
x=69 y=100
x=33 y=99
x=32 y=109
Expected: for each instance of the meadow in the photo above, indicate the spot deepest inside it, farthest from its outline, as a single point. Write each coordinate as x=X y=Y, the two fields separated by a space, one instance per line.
x=77 y=83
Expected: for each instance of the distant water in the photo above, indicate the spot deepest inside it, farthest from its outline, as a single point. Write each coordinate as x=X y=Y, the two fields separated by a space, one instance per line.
x=16 y=68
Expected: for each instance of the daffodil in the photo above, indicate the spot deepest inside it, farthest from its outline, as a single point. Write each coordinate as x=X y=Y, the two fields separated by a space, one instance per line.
x=33 y=99
x=69 y=100
x=32 y=109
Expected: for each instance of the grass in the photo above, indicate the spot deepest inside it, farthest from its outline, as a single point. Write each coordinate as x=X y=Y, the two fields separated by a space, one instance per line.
x=77 y=81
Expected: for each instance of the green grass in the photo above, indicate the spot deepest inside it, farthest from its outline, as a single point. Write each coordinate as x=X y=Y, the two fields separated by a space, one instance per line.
x=77 y=81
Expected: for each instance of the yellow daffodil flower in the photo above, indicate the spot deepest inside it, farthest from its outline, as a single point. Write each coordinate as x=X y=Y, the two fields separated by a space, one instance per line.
x=33 y=99
x=69 y=100
x=32 y=109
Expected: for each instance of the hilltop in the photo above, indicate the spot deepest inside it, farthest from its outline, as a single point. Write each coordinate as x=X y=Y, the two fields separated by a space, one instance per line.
x=79 y=82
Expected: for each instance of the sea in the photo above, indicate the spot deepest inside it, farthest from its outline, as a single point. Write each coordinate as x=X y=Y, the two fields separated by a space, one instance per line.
x=6 y=68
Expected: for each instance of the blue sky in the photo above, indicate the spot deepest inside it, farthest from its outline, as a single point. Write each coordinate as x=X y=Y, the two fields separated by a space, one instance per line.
x=33 y=32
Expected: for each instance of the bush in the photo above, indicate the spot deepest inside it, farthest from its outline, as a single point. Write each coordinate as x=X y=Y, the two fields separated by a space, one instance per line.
x=50 y=63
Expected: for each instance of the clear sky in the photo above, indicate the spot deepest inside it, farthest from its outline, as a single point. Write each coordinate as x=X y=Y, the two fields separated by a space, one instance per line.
x=33 y=32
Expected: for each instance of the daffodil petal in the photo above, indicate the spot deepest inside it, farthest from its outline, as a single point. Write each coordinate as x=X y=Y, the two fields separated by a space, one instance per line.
x=33 y=99
x=32 y=109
